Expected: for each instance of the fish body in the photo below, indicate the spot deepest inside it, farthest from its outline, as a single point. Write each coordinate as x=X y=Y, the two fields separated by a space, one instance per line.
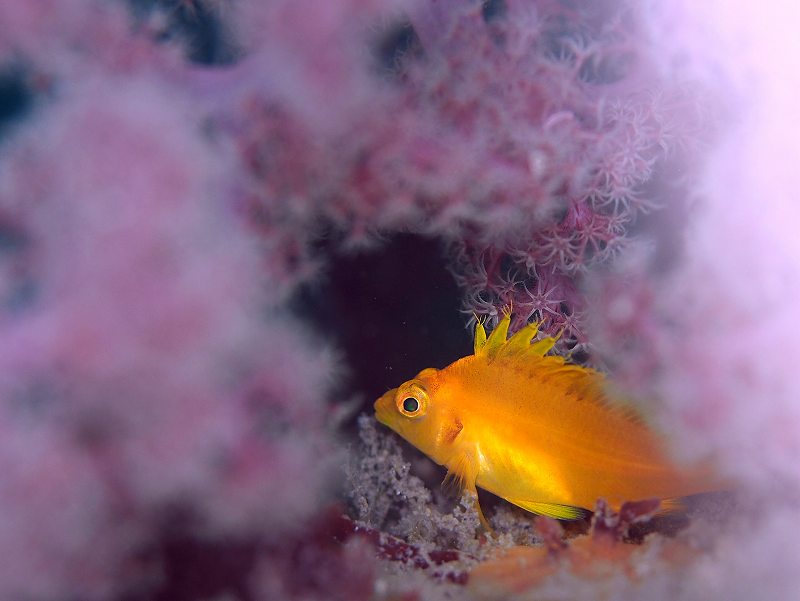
x=539 y=432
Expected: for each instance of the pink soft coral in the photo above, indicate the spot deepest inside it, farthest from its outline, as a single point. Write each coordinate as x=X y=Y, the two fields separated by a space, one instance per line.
x=162 y=214
x=528 y=141
x=139 y=378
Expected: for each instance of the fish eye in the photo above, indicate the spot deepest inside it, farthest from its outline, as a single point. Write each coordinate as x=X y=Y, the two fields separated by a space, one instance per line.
x=412 y=399
x=411 y=405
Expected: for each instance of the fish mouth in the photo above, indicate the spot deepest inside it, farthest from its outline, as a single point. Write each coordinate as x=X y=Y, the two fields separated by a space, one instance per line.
x=383 y=407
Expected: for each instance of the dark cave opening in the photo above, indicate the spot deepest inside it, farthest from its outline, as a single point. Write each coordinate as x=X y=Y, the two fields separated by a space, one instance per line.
x=392 y=312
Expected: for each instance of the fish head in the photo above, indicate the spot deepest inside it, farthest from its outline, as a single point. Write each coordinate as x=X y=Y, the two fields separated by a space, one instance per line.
x=417 y=411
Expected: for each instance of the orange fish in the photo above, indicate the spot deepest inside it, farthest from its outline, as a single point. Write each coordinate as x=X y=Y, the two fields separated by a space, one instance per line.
x=537 y=431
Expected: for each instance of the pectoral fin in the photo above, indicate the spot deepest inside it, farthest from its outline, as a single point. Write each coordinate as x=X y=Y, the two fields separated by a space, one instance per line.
x=552 y=510
x=462 y=472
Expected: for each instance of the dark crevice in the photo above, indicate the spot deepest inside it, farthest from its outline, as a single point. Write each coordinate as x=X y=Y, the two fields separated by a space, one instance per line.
x=395 y=47
x=15 y=97
x=392 y=312
x=195 y=24
x=493 y=10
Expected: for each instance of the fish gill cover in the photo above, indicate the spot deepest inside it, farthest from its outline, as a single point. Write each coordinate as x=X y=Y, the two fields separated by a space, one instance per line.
x=179 y=177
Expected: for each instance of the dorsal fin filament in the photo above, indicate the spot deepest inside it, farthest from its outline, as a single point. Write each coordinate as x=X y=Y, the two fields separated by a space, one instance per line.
x=480 y=335
x=497 y=344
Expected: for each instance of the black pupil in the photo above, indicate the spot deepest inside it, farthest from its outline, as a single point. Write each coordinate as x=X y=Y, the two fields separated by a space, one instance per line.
x=411 y=405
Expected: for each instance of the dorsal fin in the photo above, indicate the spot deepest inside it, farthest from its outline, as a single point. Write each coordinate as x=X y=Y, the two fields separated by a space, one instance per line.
x=496 y=345
x=587 y=384
x=584 y=382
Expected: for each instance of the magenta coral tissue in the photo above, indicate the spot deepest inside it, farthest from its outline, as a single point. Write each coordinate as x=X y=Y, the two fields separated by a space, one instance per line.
x=141 y=383
x=189 y=193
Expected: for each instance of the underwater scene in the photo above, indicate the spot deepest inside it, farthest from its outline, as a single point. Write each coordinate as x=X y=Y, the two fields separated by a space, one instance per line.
x=399 y=300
